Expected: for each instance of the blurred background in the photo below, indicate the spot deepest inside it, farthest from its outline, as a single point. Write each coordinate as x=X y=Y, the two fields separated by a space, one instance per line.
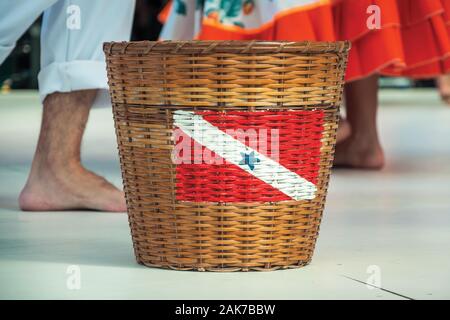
x=20 y=70
x=396 y=219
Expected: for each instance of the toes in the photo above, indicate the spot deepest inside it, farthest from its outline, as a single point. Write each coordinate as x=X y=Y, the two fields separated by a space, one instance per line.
x=114 y=202
x=121 y=204
x=78 y=189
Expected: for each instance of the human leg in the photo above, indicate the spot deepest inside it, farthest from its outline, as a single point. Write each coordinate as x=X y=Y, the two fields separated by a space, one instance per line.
x=362 y=149
x=57 y=180
x=73 y=69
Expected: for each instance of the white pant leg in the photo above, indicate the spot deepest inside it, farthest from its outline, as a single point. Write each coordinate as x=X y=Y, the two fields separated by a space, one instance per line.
x=73 y=33
x=15 y=18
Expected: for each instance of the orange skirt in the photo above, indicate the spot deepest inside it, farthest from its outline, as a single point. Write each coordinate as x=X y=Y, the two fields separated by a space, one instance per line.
x=413 y=38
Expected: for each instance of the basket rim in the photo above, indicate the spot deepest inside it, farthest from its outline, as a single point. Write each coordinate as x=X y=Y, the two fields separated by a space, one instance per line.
x=227 y=46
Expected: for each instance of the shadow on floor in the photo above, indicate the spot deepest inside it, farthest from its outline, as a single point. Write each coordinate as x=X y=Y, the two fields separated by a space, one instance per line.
x=93 y=252
x=9 y=203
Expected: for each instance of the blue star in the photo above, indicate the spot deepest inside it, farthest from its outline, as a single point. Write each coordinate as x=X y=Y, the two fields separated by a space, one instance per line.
x=249 y=159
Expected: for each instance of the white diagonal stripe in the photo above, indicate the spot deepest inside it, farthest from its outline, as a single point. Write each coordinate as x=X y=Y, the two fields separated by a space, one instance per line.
x=267 y=170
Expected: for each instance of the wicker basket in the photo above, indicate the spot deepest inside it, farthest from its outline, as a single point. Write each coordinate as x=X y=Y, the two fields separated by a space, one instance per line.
x=258 y=213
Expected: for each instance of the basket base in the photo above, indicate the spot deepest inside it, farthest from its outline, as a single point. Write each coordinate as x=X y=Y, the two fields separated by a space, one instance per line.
x=225 y=269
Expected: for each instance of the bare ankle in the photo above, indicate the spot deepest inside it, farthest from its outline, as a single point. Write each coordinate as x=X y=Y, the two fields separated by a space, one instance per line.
x=56 y=161
x=365 y=138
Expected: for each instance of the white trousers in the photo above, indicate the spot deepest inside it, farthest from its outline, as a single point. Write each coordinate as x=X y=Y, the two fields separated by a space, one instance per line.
x=72 y=35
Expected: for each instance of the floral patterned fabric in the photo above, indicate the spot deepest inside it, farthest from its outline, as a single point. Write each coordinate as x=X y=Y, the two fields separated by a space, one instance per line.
x=184 y=21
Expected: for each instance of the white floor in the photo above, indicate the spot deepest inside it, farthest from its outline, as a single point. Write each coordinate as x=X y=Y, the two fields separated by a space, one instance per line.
x=390 y=228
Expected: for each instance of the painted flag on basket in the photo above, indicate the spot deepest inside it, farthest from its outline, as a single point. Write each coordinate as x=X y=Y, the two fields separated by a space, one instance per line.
x=243 y=156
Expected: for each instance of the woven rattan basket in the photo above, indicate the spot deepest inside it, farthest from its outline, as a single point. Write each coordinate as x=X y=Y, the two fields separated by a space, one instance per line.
x=254 y=208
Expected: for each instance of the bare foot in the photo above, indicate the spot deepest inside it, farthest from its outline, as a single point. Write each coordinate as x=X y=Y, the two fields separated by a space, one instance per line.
x=57 y=180
x=359 y=153
x=69 y=187
x=344 y=130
